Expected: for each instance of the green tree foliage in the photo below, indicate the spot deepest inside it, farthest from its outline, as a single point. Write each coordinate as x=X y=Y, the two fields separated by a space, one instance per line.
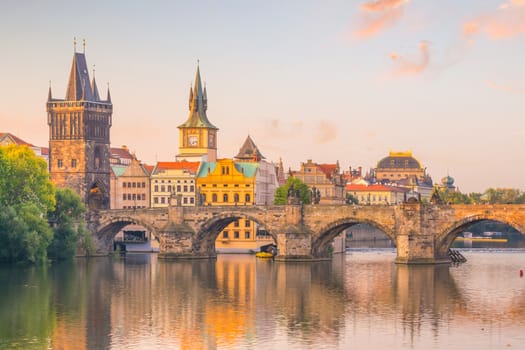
x=350 y=199
x=281 y=193
x=68 y=226
x=503 y=196
x=24 y=179
x=455 y=197
x=26 y=195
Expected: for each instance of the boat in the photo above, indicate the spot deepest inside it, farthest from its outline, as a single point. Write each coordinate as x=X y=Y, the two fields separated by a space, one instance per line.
x=264 y=255
x=482 y=239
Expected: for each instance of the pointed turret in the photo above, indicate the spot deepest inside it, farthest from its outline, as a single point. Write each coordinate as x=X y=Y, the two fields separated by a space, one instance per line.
x=96 y=96
x=108 y=99
x=79 y=87
x=49 y=94
x=191 y=98
x=198 y=106
x=249 y=151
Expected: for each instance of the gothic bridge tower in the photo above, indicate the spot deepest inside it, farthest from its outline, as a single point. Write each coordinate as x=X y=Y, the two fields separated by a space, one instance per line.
x=79 y=137
x=197 y=136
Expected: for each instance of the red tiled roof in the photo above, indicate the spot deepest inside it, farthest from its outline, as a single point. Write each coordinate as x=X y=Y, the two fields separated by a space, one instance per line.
x=328 y=169
x=190 y=166
x=45 y=151
x=149 y=168
x=375 y=188
x=120 y=153
x=17 y=140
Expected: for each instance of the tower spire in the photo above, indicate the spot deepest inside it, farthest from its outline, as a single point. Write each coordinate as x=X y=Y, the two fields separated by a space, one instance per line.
x=198 y=105
x=49 y=94
x=108 y=99
x=96 y=96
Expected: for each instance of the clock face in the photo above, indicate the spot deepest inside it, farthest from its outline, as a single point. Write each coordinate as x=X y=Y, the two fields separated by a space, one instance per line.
x=193 y=140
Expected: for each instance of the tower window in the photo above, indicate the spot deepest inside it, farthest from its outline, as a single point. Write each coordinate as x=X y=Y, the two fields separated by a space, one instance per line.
x=59 y=163
x=73 y=163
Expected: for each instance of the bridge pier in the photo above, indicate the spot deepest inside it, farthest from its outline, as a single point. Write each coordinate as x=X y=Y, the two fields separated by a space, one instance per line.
x=415 y=239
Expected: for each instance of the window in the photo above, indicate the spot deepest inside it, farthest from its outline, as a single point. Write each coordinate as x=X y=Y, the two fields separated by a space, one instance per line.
x=225 y=234
x=143 y=196
x=192 y=188
x=169 y=188
x=185 y=200
x=134 y=196
x=178 y=188
x=236 y=234
x=129 y=196
x=124 y=197
x=247 y=234
x=214 y=198
x=73 y=163
x=143 y=185
x=129 y=184
x=225 y=198
x=192 y=200
x=162 y=188
x=236 y=223
x=156 y=188
x=162 y=200
x=134 y=185
x=247 y=223
x=59 y=163
x=247 y=198
x=124 y=184
x=185 y=188
x=156 y=200
x=236 y=197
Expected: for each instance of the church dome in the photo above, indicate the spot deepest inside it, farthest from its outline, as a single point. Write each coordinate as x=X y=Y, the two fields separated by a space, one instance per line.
x=399 y=160
x=447 y=181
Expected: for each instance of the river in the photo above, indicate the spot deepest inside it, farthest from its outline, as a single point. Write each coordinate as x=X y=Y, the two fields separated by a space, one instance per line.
x=360 y=300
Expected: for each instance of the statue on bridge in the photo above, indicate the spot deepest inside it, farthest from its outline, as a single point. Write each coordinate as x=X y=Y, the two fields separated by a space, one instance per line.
x=293 y=195
x=315 y=195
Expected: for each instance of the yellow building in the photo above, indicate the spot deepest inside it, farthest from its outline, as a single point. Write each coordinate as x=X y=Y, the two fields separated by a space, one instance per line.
x=227 y=182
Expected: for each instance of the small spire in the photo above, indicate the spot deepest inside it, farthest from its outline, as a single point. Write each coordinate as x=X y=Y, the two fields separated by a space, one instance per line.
x=74 y=44
x=108 y=99
x=191 y=96
x=49 y=94
x=84 y=45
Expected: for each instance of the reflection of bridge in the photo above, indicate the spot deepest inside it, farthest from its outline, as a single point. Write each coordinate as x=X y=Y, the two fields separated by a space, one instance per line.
x=422 y=232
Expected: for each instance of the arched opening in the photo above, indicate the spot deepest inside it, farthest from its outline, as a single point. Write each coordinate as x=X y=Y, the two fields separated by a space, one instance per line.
x=98 y=198
x=234 y=234
x=326 y=244
x=482 y=233
x=126 y=234
x=367 y=236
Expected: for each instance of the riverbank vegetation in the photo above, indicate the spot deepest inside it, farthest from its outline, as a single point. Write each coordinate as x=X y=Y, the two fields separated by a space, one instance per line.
x=37 y=221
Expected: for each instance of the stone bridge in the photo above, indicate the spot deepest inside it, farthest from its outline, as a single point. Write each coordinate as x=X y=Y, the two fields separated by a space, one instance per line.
x=421 y=232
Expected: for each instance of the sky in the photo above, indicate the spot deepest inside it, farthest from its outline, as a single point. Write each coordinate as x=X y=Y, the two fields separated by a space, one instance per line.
x=345 y=81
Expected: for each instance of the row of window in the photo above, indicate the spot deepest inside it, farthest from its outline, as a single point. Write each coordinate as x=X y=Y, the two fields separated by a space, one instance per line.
x=134 y=184
x=169 y=181
x=225 y=185
x=168 y=188
x=226 y=198
x=60 y=163
x=134 y=207
x=226 y=234
x=134 y=196
x=165 y=200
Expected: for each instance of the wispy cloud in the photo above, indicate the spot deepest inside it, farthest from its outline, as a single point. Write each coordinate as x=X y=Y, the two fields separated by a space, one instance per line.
x=326 y=132
x=504 y=87
x=507 y=22
x=407 y=66
x=377 y=16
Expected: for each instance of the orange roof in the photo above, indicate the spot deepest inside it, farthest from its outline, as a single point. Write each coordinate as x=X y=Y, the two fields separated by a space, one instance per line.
x=328 y=169
x=190 y=166
x=120 y=153
x=375 y=188
x=149 y=168
x=16 y=139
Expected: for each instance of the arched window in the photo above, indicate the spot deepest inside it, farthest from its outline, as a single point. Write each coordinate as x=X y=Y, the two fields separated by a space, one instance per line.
x=236 y=198
x=225 y=198
x=247 y=198
x=214 y=197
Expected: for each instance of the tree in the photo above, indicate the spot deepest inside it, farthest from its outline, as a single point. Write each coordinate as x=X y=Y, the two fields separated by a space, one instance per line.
x=26 y=195
x=281 y=193
x=68 y=226
x=504 y=196
x=350 y=199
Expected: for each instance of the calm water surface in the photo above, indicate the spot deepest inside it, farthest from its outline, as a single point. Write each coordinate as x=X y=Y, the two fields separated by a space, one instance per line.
x=359 y=300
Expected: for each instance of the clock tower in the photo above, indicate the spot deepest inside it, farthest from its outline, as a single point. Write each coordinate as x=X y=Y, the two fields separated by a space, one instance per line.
x=197 y=136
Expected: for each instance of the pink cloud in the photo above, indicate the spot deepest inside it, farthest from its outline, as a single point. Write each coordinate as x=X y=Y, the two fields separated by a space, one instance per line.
x=377 y=16
x=508 y=22
x=404 y=66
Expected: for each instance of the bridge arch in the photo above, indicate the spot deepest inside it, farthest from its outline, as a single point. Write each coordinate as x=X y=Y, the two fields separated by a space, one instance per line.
x=321 y=242
x=108 y=229
x=448 y=235
x=208 y=232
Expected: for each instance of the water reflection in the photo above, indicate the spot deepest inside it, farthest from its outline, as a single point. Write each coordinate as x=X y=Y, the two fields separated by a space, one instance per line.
x=360 y=299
